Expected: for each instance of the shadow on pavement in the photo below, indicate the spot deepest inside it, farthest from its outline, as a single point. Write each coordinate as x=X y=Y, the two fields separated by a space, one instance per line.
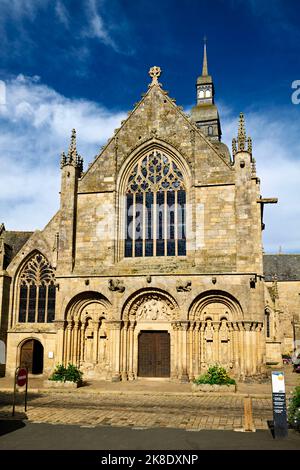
x=7 y=426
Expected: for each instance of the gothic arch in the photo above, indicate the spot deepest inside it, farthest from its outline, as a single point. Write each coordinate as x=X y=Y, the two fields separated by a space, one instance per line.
x=150 y=304
x=206 y=303
x=78 y=307
x=141 y=151
x=154 y=191
x=35 y=289
x=27 y=259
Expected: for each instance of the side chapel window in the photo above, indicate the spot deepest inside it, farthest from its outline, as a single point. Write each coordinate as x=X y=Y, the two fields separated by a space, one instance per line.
x=155 y=219
x=268 y=326
x=37 y=291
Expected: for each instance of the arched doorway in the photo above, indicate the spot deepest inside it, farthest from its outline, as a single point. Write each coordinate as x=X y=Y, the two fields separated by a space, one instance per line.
x=154 y=354
x=32 y=356
x=147 y=334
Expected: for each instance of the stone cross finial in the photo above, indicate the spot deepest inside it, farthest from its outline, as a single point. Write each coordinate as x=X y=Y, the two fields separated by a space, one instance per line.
x=154 y=73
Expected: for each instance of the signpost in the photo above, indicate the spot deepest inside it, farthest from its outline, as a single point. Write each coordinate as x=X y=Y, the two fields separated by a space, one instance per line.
x=279 y=406
x=21 y=379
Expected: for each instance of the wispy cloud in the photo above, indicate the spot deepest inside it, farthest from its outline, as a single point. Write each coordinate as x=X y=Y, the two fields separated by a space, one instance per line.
x=17 y=17
x=96 y=27
x=276 y=148
x=62 y=13
x=35 y=127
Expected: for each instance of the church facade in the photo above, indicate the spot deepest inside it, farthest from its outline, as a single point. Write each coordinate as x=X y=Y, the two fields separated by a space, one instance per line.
x=153 y=266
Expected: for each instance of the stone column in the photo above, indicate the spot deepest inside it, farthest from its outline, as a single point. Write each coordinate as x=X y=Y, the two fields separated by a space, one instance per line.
x=75 y=343
x=241 y=341
x=191 y=348
x=261 y=346
x=254 y=347
x=115 y=327
x=179 y=350
x=247 y=349
x=131 y=351
x=82 y=344
x=202 y=346
x=95 y=341
x=236 y=347
x=124 y=374
x=231 y=344
x=184 y=352
x=197 y=349
x=60 y=340
x=216 y=348
x=174 y=352
x=69 y=342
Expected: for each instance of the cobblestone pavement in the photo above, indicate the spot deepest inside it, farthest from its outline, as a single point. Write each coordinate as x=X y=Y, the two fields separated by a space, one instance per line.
x=139 y=411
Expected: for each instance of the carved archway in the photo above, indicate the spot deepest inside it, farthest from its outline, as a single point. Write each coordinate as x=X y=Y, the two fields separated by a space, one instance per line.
x=150 y=305
x=217 y=305
x=86 y=333
x=217 y=314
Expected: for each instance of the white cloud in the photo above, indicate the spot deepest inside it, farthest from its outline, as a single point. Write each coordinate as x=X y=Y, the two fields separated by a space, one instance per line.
x=62 y=13
x=96 y=27
x=276 y=148
x=35 y=127
x=18 y=9
x=17 y=13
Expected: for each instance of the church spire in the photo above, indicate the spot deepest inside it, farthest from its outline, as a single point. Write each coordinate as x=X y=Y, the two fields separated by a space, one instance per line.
x=205 y=113
x=204 y=66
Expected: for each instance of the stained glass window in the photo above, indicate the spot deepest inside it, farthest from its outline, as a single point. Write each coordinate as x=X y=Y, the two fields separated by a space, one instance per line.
x=155 y=218
x=37 y=291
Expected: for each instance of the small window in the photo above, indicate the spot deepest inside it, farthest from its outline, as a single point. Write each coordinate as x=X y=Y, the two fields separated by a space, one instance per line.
x=268 y=329
x=207 y=94
x=201 y=94
x=210 y=130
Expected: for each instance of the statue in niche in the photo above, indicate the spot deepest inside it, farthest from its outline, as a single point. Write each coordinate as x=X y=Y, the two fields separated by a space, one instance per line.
x=88 y=341
x=209 y=331
x=209 y=343
x=223 y=332
x=224 y=343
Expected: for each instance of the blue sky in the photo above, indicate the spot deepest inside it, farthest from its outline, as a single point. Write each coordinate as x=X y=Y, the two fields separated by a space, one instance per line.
x=83 y=64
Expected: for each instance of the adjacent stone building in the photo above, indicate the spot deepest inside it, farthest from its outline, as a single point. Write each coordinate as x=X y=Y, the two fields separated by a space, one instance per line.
x=153 y=266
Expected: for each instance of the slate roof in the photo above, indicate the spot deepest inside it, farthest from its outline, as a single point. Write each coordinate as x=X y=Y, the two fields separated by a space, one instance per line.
x=15 y=240
x=286 y=267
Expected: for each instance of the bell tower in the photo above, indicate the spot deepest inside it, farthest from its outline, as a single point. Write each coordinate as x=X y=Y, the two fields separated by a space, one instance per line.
x=205 y=113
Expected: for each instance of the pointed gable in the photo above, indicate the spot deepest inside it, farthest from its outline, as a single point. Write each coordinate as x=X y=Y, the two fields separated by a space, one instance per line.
x=156 y=116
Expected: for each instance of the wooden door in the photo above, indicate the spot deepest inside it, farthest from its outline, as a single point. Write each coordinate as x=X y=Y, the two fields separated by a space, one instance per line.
x=27 y=355
x=32 y=356
x=154 y=354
